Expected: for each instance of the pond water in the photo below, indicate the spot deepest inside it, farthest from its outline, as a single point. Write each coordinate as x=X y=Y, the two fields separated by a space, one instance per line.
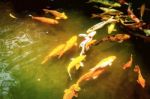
x=24 y=43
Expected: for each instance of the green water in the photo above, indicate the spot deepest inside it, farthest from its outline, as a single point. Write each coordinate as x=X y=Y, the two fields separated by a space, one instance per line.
x=24 y=43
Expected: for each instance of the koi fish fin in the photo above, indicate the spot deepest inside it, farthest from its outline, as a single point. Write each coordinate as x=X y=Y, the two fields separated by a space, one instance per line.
x=115 y=30
x=95 y=77
x=76 y=95
x=78 y=88
x=92 y=69
x=57 y=18
x=60 y=55
x=12 y=16
x=138 y=81
x=120 y=41
x=70 y=75
x=63 y=13
x=75 y=44
x=81 y=64
x=77 y=66
x=87 y=78
x=66 y=90
x=110 y=64
x=93 y=16
x=71 y=59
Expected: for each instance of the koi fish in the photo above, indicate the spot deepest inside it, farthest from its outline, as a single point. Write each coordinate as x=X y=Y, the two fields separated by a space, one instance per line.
x=91 y=75
x=111 y=28
x=140 y=80
x=100 y=25
x=104 y=63
x=12 y=16
x=77 y=62
x=134 y=18
x=53 y=53
x=132 y=15
x=118 y=37
x=142 y=10
x=106 y=3
x=128 y=64
x=102 y=16
x=72 y=92
x=45 y=20
x=57 y=14
x=69 y=44
x=110 y=11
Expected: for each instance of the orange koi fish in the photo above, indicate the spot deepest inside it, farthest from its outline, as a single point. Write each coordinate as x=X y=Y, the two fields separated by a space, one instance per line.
x=129 y=63
x=91 y=75
x=134 y=18
x=140 y=79
x=117 y=38
x=71 y=92
x=45 y=20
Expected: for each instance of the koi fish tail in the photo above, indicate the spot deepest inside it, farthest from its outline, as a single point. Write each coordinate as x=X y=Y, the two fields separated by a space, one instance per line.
x=57 y=18
x=93 y=16
x=44 y=61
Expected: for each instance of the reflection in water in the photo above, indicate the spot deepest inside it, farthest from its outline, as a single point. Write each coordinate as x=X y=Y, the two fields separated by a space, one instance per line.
x=6 y=81
x=17 y=42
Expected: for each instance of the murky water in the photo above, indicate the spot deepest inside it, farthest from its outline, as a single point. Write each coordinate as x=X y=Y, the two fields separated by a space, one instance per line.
x=24 y=43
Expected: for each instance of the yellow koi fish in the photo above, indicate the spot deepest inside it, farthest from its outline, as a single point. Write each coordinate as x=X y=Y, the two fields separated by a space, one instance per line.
x=71 y=92
x=53 y=53
x=110 y=11
x=111 y=28
x=57 y=14
x=104 y=63
x=69 y=44
x=45 y=20
x=77 y=62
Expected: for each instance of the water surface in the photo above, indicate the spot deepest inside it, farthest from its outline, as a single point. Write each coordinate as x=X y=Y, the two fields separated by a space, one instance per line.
x=24 y=43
